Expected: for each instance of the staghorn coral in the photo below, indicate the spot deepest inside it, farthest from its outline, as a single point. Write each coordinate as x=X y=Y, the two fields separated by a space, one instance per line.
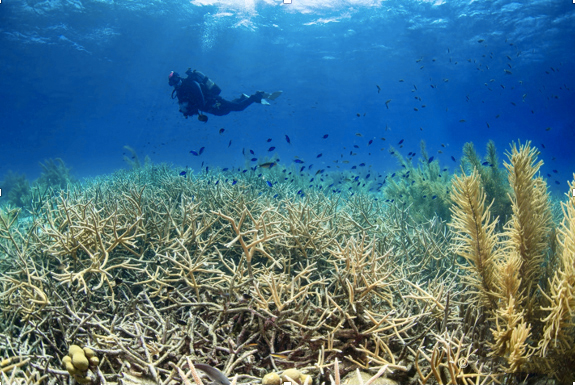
x=156 y=272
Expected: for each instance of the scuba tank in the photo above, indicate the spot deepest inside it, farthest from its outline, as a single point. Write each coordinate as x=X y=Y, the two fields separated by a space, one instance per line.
x=212 y=88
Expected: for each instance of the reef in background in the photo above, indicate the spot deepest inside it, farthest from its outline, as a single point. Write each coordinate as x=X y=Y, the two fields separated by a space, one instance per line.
x=152 y=267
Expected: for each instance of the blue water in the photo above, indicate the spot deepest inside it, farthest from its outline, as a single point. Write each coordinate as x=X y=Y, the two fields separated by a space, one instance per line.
x=81 y=79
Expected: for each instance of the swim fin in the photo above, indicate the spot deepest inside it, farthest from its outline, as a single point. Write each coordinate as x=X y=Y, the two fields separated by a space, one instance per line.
x=273 y=95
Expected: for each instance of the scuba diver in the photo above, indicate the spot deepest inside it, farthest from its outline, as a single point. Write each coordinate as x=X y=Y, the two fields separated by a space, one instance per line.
x=198 y=94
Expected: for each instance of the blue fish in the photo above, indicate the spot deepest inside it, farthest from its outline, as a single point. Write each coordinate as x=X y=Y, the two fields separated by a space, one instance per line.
x=301 y=169
x=298 y=161
x=254 y=159
x=183 y=173
x=271 y=149
x=269 y=140
x=453 y=158
x=325 y=136
x=362 y=165
x=252 y=152
x=370 y=142
x=193 y=153
x=430 y=160
x=201 y=150
x=275 y=196
x=269 y=183
x=230 y=143
x=433 y=197
x=225 y=169
x=288 y=139
x=401 y=141
x=484 y=163
x=234 y=182
x=319 y=155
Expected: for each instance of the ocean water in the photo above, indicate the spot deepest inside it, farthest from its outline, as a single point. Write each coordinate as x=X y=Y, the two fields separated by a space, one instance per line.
x=82 y=79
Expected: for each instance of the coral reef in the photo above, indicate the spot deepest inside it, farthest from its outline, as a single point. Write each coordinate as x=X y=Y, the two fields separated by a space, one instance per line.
x=160 y=275
x=425 y=188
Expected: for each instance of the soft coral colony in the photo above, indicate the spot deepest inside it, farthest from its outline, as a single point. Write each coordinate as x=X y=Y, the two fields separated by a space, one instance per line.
x=155 y=276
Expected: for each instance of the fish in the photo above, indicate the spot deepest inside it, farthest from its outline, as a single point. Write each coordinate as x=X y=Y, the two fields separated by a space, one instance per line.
x=387 y=103
x=370 y=142
x=269 y=140
x=268 y=164
x=453 y=158
x=555 y=171
x=213 y=373
x=358 y=114
x=325 y=136
x=183 y=173
x=488 y=126
x=401 y=141
x=193 y=153
x=221 y=131
x=269 y=183
x=415 y=109
x=462 y=121
x=480 y=40
x=433 y=197
x=288 y=139
x=484 y=163
x=271 y=149
x=548 y=129
x=430 y=160
x=358 y=134
x=254 y=159
x=318 y=156
x=252 y=152
x=230 y=143
x=401 y=80
x=378 y=88
x=507 y=72
x=298 y=161
x=201 y=150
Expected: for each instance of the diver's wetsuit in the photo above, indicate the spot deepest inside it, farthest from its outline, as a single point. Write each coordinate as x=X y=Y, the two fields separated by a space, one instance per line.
x=194 y=98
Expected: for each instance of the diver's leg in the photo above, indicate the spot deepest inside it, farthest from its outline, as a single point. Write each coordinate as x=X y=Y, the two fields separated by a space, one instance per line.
x=224 y=107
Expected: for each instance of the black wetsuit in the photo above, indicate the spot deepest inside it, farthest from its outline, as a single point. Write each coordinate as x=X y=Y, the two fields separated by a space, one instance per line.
x=194 y=98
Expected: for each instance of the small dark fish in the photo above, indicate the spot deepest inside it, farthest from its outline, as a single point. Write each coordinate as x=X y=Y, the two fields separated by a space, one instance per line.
x=548 y=129
x=254 y=159
x=275 y=196
x=433 y=197
x=453 y=158
x=225 y=169
x=487 y=124
x=555 y=171
x=288 y=139
x=378 y=88
x=370 y=142
x=201 y=150
x=484 y=163
x=358 y=115
x=271 y=149
x=193 y=153
x=325 y=136
x=362 y=165
x=222 y=131
x=183 y=173
x=430 y=160
x=230 y=143
x=462 y=121
x=557 y=182
x=252 y=152
x=269 y=140
x=269 y=183
x=318 y=156
x=392 y=175
x=542 y=145
x=401 y=141
x=355 y=146
x=480 y=40
x=298 y=161
x=268 y=164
